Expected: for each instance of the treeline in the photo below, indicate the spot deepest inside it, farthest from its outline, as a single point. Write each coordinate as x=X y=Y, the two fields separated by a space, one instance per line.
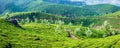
x=91 y=30
x=79 y=31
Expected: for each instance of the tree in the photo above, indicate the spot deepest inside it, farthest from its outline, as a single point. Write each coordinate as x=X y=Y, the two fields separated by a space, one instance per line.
x=22 y=21
x=46 y=21
x=58 y=29
x=27 y=20
x=81 y=24
x=91 y=26
x=35 y=19
x=108 y=28
x=70 y=24
x=77 y=31
x=88 y=32
x=60 y=22
x=59 y=26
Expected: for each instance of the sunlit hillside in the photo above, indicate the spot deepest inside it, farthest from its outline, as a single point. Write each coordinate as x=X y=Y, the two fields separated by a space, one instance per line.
x=59 y=24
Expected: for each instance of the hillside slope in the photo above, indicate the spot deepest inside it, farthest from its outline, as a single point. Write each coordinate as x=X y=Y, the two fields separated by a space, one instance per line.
x=57 y=9
x=103 y=8
x=109 y=42
x=74 y=11
x=37 y=36
x=68 y=2
x=112 y=19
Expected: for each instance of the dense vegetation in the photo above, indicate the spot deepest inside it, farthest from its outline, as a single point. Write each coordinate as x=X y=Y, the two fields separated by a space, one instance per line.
x=68 y=2
x=112 y=18
x=97 y=21
x=58 y=24
x=102 y=8
x=46 y=34
x=57 y=9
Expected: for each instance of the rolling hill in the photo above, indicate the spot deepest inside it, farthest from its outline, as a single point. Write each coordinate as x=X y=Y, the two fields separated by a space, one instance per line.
x=113 y=19
x=96 y=22
x=58 y=24
x=59 y=9
x=14 y=37
x=103 y=8
x=43 y=35
x=67 y=2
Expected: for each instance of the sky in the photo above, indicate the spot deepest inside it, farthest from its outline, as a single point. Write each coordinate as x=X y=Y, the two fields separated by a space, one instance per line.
x=91 y=2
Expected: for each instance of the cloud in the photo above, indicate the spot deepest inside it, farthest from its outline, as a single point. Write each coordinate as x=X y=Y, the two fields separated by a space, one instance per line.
x=91 y=2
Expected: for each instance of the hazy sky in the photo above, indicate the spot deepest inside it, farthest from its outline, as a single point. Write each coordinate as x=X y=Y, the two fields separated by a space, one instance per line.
x=115 y=2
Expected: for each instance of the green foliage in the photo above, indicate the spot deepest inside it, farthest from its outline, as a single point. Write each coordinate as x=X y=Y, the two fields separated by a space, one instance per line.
x=42 y=35
x=34 y=35
x=70 y=24
x=69 y=11
x=112 y=18
x=27 y=20
x=46 y=30
x=103 y=8
x=58 y=9
x=88 y=32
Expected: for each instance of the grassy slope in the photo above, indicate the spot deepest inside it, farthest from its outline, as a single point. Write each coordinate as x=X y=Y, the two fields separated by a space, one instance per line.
x=97 y=20
x=109 y=42
x=42 y=35
x=37 y=36
x=113 y=18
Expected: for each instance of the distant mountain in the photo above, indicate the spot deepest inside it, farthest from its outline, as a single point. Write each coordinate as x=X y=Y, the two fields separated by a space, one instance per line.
x=68 y=2
x=3 y=4
x=102 y=8
x=73 y=11
x=69 y=11
x=12 y=5
x=57 y=7
x=93 y=2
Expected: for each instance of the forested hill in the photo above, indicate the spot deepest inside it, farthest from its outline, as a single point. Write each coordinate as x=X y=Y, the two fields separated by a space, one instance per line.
x=103 y=8
x=59 y=24
x=63 y=8
x=68 y=2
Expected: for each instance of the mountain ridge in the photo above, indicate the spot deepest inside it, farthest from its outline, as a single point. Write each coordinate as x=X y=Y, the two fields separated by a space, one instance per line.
x=66 y=10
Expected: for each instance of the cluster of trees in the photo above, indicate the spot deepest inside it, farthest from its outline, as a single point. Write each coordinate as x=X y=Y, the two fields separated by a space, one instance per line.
x=88 y=31
x=82 y=32
x=91 y=32
x=42 y=21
